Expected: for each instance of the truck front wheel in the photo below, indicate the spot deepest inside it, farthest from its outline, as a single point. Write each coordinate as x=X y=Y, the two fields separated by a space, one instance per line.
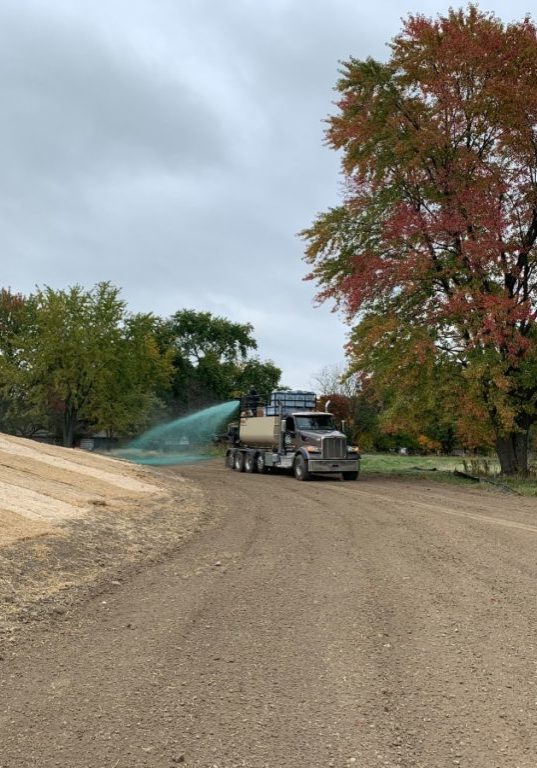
x=300 y=468
x=230 y=460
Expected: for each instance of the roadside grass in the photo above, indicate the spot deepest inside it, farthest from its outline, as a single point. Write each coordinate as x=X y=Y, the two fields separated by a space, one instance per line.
x=524 y=486
x=392 y=463
x=437 y=469
x=441 y=469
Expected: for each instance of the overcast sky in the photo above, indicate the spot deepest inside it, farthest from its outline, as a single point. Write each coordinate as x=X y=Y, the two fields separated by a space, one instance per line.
x=175 y=148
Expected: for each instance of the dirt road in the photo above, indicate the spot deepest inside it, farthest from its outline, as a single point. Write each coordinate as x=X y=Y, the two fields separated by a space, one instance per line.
x=324 y=624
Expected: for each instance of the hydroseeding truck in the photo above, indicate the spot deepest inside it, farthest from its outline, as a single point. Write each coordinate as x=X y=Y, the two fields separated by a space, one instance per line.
x=289 y=434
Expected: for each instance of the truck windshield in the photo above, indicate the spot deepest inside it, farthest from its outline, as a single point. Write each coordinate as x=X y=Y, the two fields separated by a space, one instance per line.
x=321 y=421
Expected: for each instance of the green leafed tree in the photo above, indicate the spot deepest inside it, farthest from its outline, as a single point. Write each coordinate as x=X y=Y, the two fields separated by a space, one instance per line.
x=432 y=254
x=86 y=362
x=197 y=335
x=126 y=396
x=20 y=414
x=263 y=376
x=211 y=359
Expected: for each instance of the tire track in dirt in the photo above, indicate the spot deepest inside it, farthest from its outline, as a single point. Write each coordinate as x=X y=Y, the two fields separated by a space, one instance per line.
x=308 y=624
x=442 y=509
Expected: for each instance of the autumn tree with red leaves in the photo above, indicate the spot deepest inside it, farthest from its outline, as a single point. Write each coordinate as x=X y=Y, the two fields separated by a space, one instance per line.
x=432 y=253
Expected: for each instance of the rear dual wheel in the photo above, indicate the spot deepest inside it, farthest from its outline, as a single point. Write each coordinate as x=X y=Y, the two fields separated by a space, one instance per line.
x=249 y=463
x=242 y=461
x=238 y=461
x=260 y=464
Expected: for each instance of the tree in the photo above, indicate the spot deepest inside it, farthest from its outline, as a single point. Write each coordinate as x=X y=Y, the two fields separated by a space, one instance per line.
x=198 y=335
x=125 y=396
x=19 y=413
x=73 y=342
x=264 y=377
x=335 y=379
x=338 y=405
x=341 y=388
x=211 y=358
x=86 y=361
x=433 y=250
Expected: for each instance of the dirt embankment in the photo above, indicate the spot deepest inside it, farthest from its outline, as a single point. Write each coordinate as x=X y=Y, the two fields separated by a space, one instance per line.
x=71 y=520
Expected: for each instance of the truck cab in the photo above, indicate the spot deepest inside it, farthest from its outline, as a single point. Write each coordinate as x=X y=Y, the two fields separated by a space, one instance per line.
x=309 y=427
x=318 y=446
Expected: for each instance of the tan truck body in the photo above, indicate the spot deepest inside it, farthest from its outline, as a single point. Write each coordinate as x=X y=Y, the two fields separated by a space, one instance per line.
x=261 y=431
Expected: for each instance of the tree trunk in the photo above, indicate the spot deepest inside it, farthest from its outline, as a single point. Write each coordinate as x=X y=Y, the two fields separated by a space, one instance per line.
x=512 y=450
x=68 y=428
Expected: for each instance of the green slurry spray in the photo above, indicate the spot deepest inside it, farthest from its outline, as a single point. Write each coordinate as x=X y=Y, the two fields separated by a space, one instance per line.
x=183 y=441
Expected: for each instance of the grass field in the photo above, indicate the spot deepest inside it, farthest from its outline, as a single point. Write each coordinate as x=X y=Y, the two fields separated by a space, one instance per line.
x=440 y=469
x=392 y=463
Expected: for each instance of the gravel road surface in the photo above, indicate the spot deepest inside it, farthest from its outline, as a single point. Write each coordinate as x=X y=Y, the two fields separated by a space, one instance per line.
x=328 y=624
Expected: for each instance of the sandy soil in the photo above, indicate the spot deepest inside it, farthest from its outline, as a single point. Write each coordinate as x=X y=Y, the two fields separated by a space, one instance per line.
x=47 y=485
x=70 y=519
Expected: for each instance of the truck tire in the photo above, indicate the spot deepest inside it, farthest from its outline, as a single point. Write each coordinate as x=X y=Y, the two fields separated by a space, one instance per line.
x=260 y=464
x=238 y=461
x=300 y=468
x=230 y=460
x=249 y=463
x=350 y=475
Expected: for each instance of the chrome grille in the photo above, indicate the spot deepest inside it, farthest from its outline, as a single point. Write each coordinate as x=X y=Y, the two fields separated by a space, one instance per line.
x=334 y=448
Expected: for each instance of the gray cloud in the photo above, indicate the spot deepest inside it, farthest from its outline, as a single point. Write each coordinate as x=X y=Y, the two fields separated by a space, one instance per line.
x=176 y=148
x=72 y=105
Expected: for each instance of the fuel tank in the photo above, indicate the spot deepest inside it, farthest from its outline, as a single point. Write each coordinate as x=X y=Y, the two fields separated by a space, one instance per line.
x=260 y=431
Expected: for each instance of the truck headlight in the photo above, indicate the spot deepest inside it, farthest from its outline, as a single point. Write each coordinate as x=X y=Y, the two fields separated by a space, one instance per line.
x=353 y=449
x=312 y=449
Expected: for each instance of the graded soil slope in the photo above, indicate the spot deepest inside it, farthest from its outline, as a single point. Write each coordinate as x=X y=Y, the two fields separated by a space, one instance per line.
x=71 y=518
